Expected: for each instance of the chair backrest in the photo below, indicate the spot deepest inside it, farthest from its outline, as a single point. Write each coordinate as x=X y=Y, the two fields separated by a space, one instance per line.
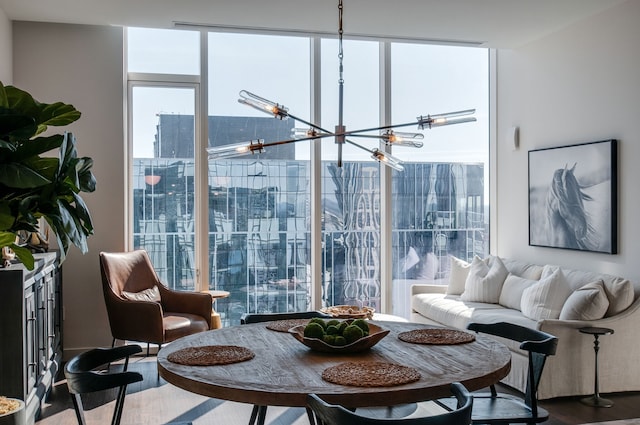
x=329 y=414
x=127 y=271
x=538 y=344
x=81 y=378
x=270 y=317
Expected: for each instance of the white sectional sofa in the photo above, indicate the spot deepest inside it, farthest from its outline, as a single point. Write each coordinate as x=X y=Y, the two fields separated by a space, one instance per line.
x=554 y=300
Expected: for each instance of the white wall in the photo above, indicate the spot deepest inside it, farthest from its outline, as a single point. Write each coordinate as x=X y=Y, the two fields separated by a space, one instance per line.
x=578 y=85
x=83 y=65
x=6 y=50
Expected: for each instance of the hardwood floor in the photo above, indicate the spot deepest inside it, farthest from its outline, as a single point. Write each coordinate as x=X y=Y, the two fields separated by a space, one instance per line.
x=153 y=401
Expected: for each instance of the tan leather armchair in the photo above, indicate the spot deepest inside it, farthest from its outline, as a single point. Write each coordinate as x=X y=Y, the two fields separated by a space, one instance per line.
x=175 y=315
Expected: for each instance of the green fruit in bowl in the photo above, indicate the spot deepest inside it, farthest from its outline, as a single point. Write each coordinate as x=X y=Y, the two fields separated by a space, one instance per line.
x=319 y=321
x=352 y=333
x=314 y=330
x=339 y=341
x=329 y=339
x=333 y=322
x=332 y=330
x=362 y=324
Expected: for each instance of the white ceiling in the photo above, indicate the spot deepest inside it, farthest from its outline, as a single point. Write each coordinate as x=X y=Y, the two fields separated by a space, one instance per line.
x=491 y=23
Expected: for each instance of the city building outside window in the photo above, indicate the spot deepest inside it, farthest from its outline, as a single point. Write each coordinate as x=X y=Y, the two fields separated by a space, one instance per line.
x=255 y=211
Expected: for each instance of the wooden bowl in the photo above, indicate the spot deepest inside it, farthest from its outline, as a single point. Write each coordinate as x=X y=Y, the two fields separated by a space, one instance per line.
x=349 y=312
x=376 y=333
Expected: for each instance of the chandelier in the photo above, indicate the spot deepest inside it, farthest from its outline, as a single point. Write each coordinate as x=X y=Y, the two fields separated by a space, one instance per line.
x=340 y=134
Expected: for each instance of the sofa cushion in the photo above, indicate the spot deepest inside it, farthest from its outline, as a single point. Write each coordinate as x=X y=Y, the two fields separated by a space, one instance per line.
x=619 y=290
x=587 y=303
x=620 y=294
x=512 y=289
x=150 y=294
x=545 y=299
x=522 y=269
x=458 y=273
x=484 y=282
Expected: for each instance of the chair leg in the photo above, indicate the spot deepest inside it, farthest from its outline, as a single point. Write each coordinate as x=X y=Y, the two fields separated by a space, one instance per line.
x=113 y=342
x=147 y=349
x=262 y=415
x=117 y=414
x=254 y=414
x=312 y=420
x=77 y=406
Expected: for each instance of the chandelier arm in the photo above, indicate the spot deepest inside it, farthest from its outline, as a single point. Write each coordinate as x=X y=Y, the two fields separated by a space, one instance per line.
x=284 y=142
x=355 y=133
x=312 y=125
x=352 y=143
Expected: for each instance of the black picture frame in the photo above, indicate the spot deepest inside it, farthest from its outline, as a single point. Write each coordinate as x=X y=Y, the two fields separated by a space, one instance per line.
x=573 y=201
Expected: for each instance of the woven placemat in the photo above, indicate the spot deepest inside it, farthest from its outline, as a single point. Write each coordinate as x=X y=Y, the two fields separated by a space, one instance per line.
x=437 y=336
x=370 y=374
x=210 y=355
x=285 y=325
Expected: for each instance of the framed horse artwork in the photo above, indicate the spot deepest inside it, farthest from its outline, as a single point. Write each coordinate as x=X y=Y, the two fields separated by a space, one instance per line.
x=573 y=197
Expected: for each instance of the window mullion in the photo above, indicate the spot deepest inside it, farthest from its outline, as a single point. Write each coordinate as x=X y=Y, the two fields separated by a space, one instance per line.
x=386 y=236
x=316 y=179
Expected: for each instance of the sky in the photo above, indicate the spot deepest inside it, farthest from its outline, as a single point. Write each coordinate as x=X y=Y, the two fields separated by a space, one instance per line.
x=426 y=79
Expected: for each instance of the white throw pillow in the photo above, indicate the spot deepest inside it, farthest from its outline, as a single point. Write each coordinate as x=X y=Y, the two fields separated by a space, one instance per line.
x=457 y=275
x=150 y=294
x=512 y=289
x=620 y=294
x=484 y=283
x=587 y=303
x=545 y=299
x=620 y=291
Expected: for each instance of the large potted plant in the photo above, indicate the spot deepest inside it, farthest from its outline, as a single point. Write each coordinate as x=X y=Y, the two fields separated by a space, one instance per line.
x=41 y=175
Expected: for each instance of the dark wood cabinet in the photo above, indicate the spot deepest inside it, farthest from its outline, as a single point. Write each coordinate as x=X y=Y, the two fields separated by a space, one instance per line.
x=30 y=331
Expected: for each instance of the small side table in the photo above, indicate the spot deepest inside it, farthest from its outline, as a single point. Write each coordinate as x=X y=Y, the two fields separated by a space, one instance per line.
x=216 y=322
x=595 y=400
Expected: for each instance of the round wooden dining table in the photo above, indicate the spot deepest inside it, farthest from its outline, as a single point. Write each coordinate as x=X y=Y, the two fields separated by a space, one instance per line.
x=284 y=370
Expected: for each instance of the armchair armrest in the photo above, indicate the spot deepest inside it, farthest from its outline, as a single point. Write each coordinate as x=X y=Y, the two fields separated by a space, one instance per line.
x=187 y=302
x=136 y=320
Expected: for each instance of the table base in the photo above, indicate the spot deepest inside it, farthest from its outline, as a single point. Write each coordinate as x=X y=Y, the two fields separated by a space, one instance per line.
x=597 y=401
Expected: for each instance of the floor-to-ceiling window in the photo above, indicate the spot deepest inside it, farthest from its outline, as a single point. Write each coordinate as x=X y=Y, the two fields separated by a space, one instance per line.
x=253 y=214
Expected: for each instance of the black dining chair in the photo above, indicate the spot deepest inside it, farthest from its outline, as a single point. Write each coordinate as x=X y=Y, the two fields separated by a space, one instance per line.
x=494 y=408
x=329 y=414
x=259 y=412
x=82 y=377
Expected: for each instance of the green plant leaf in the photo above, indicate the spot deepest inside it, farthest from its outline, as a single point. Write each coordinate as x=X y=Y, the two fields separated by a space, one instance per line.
x=38 y=146
x=85 y=176
x=16 y=126
x=4 y=102
x=24 y=255
x=46 y=166
x=6 y=217
x=83 y=215
x=20 y=176
x=58 y=114
x=22 y=102
x=7 y=238
x=6 y=149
